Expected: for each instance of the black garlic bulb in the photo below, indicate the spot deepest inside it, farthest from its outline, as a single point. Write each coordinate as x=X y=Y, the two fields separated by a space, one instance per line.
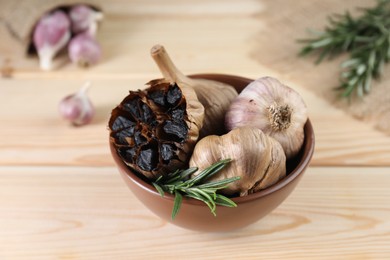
x=154 y=130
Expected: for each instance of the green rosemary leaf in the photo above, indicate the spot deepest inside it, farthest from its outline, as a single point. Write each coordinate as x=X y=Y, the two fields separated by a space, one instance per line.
x=323 y=54
x=348 y=89
x=218 y=184
x=349 y=63
x=205 y=195
x=158 y=188
x=159 y=178
x=305 y=51
x=188 y=172
x=388 y=49
x=208 y=172
x=177 y=204
x=321 y=43
x=371 y=60
x=361 y=69
x=213 y=211
x=195 y=194
x=173 y=180
x=173 y=174
x=367 y=83
x=225 y=201
x=363 y=39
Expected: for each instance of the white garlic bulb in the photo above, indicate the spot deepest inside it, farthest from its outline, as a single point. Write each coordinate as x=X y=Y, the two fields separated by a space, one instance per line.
x=276 y=109
x=84 y=50
x=84 y=19
x=257 y=159
x=51 y=34
x=77 y=108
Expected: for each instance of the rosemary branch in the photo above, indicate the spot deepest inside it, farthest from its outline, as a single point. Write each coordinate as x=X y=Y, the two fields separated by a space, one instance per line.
x=366 y=38
x=179 y=184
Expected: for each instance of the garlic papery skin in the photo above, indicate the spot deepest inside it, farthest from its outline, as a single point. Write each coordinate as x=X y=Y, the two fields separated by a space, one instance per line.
x=84 y=19
x=51 y=34
x=77 y=108
x=276 y=109
x=155 y=130
x=257 y=159
x=216 y=98
x=84 y=50
x=213 y=95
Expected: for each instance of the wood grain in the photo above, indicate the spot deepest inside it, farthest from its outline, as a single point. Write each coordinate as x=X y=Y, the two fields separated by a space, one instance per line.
x=61 y=197
x=32 y=132
x=30 y=122
x=198 y=31
x=88 y=212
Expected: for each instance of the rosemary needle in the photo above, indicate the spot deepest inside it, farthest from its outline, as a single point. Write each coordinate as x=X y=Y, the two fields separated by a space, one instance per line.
x=180 y=185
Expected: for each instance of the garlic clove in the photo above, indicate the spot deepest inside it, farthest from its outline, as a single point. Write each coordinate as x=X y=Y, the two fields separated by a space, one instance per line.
x=77 y=108
x=276 y=109
x=84 y=50
x=50 y=35
x=214 y=96
x=84 y=19
x=257 y=159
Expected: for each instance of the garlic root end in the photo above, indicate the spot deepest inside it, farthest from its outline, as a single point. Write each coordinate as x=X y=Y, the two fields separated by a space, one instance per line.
x=279 y=116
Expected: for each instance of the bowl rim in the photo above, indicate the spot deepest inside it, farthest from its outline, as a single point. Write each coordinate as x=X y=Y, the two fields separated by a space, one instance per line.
x=308 y=149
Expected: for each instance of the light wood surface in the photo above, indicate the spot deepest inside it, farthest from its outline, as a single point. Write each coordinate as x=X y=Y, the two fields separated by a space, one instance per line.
x=62 y=198
x=87 y=213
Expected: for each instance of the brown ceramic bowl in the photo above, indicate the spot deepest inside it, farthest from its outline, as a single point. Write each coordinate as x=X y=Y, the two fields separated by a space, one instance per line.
x=196 y=215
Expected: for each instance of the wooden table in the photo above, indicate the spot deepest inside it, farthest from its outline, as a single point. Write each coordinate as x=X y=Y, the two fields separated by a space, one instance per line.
x=62 y=198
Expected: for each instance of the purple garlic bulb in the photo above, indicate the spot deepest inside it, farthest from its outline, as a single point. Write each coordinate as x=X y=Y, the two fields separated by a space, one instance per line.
x=84 y=50
x=84 y=19
x=51 y=34
x=77 y=108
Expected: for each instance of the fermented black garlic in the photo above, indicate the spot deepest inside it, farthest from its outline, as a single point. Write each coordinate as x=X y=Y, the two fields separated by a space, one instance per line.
x=154 y=130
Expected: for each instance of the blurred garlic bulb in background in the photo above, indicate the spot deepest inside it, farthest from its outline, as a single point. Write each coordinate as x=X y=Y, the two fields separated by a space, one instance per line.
x=51 y=34
x=84 y=50
x=84 y=19
x=276 y=109
x=77 y=108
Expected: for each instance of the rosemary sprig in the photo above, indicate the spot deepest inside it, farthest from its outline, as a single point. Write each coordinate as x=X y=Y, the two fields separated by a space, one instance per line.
x=366 y=38
x=179 y=184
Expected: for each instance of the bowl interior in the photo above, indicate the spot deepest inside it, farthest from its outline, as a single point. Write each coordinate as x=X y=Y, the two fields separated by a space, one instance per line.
x=295 y=166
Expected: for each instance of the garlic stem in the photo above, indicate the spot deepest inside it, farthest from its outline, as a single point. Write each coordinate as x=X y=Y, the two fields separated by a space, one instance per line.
x=46 y=55
x=165 y=64
x=213 y=95
x=84 y=19
x=85 y=103
x=47 y=52
x=96 y=17
x=84 y=89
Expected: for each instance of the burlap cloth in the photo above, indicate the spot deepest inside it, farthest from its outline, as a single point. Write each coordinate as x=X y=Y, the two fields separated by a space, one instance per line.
x=20 y=16
x=282 y=22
